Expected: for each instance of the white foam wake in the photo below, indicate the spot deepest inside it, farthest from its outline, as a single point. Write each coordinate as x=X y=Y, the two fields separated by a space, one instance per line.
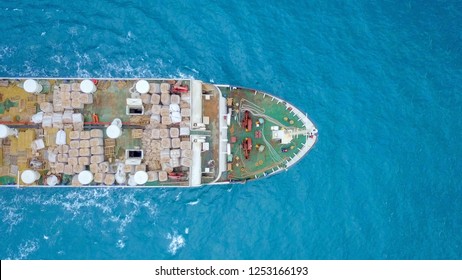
x=176 y=242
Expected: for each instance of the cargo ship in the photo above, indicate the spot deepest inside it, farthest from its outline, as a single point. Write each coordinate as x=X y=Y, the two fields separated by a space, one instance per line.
x=144 y=133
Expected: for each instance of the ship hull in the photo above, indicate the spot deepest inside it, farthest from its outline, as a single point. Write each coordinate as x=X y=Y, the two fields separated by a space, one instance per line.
x=144 y=133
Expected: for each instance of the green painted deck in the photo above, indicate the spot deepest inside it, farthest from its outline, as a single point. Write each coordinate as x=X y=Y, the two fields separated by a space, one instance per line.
x=272 y=158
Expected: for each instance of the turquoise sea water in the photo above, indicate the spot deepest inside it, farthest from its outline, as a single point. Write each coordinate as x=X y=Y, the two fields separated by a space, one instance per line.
x=381 y=79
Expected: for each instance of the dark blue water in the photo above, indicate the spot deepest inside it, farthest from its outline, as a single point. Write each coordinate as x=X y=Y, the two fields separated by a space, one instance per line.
x=381 y=79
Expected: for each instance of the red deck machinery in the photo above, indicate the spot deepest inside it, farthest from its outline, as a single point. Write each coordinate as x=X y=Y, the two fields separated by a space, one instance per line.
x=247 y=121
x=247 y=147
x=180 y=89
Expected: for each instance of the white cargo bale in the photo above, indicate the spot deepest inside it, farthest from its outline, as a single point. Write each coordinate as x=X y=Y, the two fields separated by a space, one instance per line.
x=165 y=111
x=59 y=167
x=38 y=144
x=67 y=104
x=86 y=98
x=154 y=88
x=75 y=95
x=165 y=155
x=153 y=176
x=47 y=120
x=37 y=118
x=56 y=99
x=166 y=120
x=175 y=117
x=176 y=142
x=174 y=132
x=184 y=104
x=77 y=126
x=184 y=131
x=75 y=86
x=174 y=108
x=64 y=87
x=74 y=152
x=155 y=109
x=65 y=96
x=74 y=144
x=58 y=125
x=146 y=98
x=58 y=107
x=97 y=150
x=60 y=137
x=155 y=99
x=165 y=88
x=64 y=158
x=52 y=156
x=96 y=142
x=99 y=178
x=175 y=99
x=163 y=176
x=46 y=107
x=164 y=133
x=78 y=168
x=74 y=135
x=175 y=162
x=84 y=161
x=85 y=135
x=57 y=117
x=155 y=134
x=84 y=143
x=77 y=118
x=185 y=145
x=97 y=159
x=165 y=143
x=76 y=104
x=175 y=153
x=64 y=149
x=155 y=119
x=96 y=133
x=165 y=98
x=84 y=152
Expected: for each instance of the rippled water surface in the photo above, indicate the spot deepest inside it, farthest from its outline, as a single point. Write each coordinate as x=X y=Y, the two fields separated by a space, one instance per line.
x=381 y=79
